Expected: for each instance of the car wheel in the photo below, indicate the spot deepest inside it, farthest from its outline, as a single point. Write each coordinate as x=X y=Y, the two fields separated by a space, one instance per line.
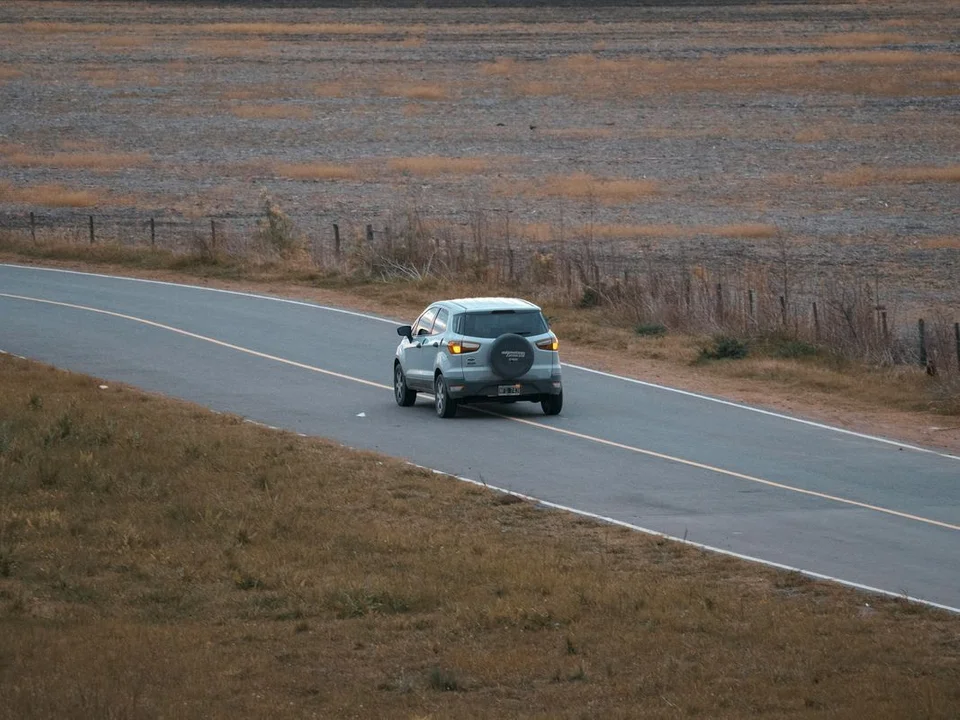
x=405 y=396
x=446 y=406
x=552 y=404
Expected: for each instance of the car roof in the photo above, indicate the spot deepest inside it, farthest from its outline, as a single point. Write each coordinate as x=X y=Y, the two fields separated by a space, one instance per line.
x=492 y=303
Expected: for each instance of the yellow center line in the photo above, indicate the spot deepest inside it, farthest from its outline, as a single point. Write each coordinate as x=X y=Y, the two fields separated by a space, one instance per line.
x=523 y=421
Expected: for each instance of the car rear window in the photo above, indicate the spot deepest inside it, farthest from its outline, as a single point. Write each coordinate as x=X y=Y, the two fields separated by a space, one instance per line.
x=497 y=322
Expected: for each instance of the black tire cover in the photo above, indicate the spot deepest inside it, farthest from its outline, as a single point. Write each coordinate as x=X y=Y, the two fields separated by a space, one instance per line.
x=511 y=356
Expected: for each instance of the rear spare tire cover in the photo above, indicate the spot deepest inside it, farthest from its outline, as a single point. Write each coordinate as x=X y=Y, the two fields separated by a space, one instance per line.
x=511 y=356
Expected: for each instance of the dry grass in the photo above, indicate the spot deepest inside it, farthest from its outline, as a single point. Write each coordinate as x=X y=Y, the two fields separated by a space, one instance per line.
x=416 y=91
x=861 y=39
x=579 y=133
x=101 y=77
x=258 y=92
x=278 y=28
x=330 y=90
x=436 y=165
x=626 y=231
x=872 y=175
x=8 y=72
x=51 y=195
x=207 y=568
x=272 y=112
x=59 y=28
x=219 y=48
x=585 y=187
x=97 y=161
x=943 y=241
x=124 y=42
x=849 y=71
x=317 y=171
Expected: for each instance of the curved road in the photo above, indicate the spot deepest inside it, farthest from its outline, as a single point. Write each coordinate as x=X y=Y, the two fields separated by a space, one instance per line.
x=863 y=510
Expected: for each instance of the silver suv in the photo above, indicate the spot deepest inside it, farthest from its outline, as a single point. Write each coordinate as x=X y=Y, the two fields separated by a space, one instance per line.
x=475 y=350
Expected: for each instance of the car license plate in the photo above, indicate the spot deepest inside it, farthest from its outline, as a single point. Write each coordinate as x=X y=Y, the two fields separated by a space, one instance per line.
x=503 y=390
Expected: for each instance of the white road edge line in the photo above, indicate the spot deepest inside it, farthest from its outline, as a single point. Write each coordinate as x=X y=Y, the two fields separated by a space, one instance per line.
x=770 y=413
x=204 y=338
x=691 y=543
x=546 y=503
x=523 y=421
x=367 y=316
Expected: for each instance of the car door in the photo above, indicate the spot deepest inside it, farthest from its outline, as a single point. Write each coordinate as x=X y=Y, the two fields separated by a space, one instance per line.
x=420 y=353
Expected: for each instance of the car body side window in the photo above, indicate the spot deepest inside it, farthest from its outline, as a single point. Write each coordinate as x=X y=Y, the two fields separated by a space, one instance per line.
x=425 y=322
x=440 y=325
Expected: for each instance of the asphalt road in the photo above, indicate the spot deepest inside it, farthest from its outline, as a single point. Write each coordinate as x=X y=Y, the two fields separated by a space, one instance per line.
x=829 y=502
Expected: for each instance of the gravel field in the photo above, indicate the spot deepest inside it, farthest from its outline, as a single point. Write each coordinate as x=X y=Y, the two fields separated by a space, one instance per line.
x=826 y=135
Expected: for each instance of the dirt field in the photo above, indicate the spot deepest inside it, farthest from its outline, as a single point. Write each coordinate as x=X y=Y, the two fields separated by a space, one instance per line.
x=820 y=136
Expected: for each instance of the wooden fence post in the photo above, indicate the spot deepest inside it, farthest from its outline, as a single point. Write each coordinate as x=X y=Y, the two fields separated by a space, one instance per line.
x=956 y=334
x=923 y=342
x=213 y=235
x=336 y=240
x=816 y=322
x=369 y=233
x=33 y=228
x=153 y=234
x=783 y=310
x=753 y=307
x=720 y=302
x=92 y=236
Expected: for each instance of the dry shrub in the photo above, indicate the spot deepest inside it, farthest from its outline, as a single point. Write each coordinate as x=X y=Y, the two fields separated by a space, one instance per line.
x=50 y=195
x=272 y=112
x=99 y=161
x=914 y=175
x=415 y=92
x=316 y=171
x=437 y=165
x=275 y=231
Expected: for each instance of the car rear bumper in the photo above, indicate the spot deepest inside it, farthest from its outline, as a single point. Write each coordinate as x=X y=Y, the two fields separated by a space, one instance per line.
x=495 y=391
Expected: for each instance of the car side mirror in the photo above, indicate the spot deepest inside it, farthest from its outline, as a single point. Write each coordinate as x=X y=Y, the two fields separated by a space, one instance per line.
x=405 y=331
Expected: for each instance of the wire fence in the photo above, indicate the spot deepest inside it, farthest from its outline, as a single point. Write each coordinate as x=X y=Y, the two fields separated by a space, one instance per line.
x=804 y=297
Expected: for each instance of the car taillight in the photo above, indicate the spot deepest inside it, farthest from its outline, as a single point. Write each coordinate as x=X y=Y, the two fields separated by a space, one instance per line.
x=459 y=347
x=551 y=343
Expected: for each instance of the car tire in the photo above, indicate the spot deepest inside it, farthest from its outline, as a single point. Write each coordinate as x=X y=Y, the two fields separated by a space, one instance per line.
x=511 y=356
x=445 y=405
x=552 y=404
x=404 y=396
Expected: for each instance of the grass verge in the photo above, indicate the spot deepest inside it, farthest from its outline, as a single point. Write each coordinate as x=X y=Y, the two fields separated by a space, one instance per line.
x=156 y=558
